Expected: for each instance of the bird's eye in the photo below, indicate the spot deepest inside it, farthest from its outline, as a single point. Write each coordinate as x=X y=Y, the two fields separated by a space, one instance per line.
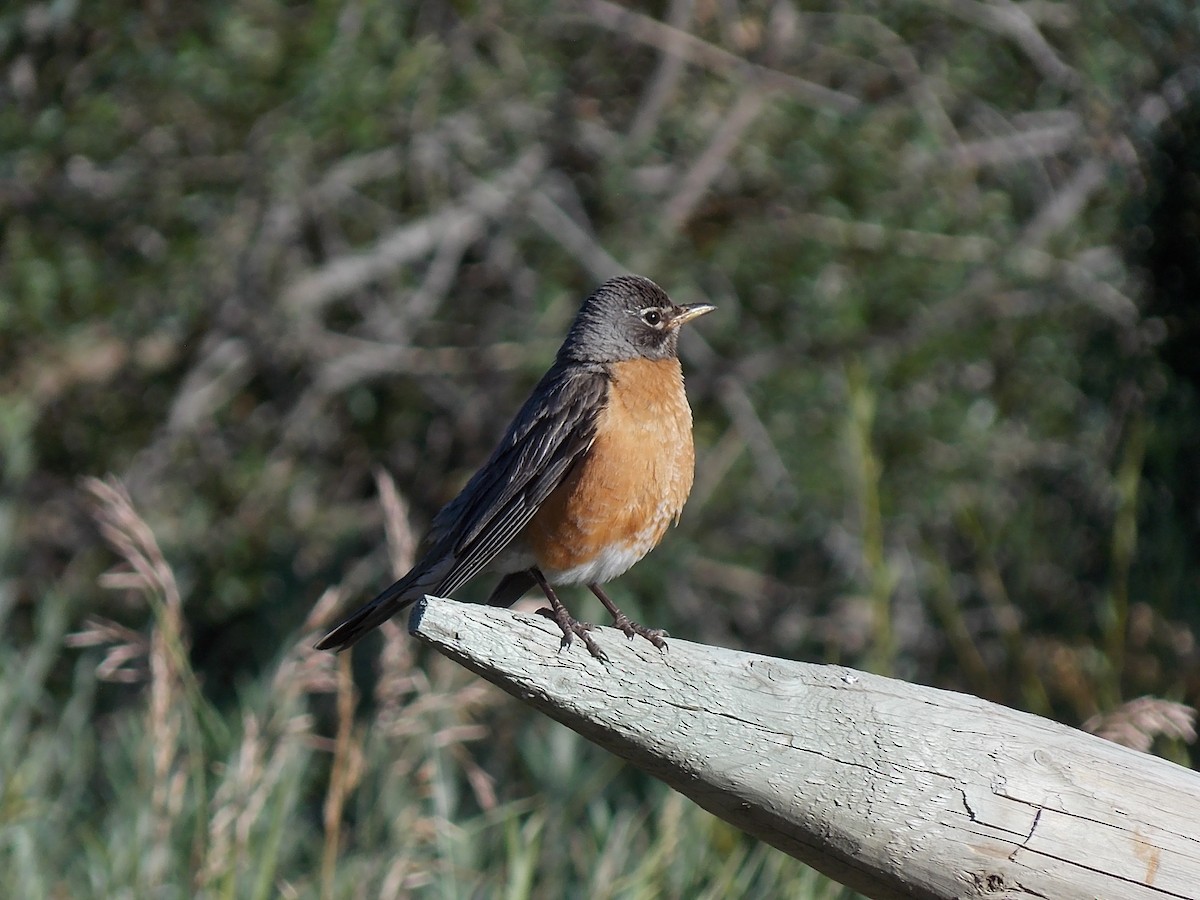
x=652 y=317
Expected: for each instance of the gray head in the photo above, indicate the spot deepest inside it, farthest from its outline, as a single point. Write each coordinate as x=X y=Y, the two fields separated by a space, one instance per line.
x=627 y=317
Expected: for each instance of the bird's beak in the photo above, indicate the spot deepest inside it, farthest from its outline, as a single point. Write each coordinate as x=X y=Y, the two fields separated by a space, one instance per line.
x=685 y=314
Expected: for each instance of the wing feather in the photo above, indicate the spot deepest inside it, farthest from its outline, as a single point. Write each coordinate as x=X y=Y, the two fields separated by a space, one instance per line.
x=549 y=434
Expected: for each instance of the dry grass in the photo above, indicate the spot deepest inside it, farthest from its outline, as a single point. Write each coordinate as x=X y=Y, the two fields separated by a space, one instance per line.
x=1137 y=723
x=939 y=431
x=295 y=793
x=220 y=798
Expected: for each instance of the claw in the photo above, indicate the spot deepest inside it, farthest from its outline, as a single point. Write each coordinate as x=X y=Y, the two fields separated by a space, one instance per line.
x=627 y=625
x=632 y=629
x=572 y=628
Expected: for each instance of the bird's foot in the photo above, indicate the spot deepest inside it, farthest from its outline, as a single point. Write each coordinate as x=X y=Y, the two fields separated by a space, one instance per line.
x=631 y=628
x=572 y=628
x=627 y=625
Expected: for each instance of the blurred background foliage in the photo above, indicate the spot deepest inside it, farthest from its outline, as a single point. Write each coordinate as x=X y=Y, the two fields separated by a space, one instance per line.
x=253 y=252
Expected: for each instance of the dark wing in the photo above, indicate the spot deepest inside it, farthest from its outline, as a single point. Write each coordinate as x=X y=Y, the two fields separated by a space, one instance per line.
x=550 y=432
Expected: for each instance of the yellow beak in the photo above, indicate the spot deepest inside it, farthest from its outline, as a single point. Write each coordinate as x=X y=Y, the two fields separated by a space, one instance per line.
x=683 y=314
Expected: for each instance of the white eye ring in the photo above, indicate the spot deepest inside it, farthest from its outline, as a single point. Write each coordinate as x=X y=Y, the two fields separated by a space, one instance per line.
x=652 y=317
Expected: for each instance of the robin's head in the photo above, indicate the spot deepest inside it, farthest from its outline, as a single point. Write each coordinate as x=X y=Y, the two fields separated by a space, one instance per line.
x=628 y=317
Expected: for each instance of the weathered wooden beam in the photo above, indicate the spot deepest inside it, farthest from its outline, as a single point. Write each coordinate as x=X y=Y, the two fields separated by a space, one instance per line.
x=894 y=789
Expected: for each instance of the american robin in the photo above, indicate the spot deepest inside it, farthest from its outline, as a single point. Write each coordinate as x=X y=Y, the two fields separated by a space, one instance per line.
x=585 y=481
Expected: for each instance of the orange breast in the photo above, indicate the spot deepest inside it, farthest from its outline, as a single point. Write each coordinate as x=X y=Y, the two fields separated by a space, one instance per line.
x=619 y=499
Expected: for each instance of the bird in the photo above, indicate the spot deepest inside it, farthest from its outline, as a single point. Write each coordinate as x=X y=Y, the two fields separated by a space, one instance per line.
x=584 y=482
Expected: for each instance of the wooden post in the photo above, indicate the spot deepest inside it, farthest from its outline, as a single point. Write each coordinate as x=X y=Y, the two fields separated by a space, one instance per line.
x=894 y=789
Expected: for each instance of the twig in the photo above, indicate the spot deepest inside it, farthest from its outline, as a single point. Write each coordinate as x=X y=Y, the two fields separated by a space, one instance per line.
x=349 y=360
x=769 y=464
x=224 y=367
x=1010 y=20
x=1009 y=149
x=647 y=30
x=572 y=237
x=1063 y=209
x=903 y=241
x=666 y=77
x=346 y=274
x=704 y=170
x=905 y=66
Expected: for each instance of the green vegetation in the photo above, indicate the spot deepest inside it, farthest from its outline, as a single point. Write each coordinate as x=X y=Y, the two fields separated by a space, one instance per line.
x=254 y=253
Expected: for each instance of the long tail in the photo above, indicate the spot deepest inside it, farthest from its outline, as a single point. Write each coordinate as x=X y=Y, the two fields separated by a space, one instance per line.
x=369 y=617
x=511 y=588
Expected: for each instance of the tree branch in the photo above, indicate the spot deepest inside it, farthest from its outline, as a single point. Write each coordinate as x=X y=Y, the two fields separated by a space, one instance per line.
x=486 y=200
x=660 y=35
x=895 y=789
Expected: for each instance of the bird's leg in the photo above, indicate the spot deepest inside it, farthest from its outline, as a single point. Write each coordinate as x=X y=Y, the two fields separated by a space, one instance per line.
x=622 y=621
x=570 y=627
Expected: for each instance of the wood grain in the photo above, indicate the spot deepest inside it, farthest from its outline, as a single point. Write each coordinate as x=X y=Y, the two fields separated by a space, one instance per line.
x=894 y=789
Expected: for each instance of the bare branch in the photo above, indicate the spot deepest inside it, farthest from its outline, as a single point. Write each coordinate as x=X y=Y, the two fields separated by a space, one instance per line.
x=349 y=360
x=666 y=77
x=768 y=462
x=224 y=367
x=344 y=275
x=712 y=161
x=572 y=237
x=646 y=30
x=1033 y=143
x=1064 y=208
x=905 y=241
x=894 y=789
x=1012 y=21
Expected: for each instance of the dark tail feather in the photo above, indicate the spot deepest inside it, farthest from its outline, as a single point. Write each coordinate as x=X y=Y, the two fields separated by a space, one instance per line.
x=511 y=588
x=369 y=617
